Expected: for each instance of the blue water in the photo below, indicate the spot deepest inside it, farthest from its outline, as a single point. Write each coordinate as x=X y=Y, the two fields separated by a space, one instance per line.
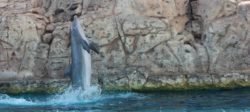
x=94 y=100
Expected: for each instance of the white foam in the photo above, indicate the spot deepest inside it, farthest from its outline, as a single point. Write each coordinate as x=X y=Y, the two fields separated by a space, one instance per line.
x=69 y=97
x=7 y=100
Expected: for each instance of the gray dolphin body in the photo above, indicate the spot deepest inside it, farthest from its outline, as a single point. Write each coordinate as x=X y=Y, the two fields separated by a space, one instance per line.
x=79 y=70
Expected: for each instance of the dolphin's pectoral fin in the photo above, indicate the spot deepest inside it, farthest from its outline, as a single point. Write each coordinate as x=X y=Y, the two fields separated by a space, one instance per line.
x=85 y=45
x=95 y=47
x=67 y=71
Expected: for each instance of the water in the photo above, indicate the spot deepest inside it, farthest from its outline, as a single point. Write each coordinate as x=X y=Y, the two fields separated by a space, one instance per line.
x=95 y=101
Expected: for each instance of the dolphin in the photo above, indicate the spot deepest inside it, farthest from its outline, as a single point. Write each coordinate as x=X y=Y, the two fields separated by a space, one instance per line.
x=79 y=70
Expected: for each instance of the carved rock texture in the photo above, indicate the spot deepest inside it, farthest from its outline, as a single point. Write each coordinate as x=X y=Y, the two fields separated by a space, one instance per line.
x=145 y=44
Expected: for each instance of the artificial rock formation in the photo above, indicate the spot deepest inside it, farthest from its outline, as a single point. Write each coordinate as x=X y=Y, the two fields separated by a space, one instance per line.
x=145 y=44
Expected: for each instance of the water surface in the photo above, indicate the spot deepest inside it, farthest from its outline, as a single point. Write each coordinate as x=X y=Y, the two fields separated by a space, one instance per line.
x=95 y=101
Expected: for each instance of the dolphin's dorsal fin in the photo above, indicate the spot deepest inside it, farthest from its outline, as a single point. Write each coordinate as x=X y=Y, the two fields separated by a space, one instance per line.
x=95 y=47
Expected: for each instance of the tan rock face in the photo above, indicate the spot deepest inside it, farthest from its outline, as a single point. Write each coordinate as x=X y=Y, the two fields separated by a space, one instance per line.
x=145 y=44
x=227 y=41
x=19 y=41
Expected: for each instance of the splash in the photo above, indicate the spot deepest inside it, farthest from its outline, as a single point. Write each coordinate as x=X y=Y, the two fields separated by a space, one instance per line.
x=7 y=100
x=91 y=99
x=70 y=96
x=75 y=96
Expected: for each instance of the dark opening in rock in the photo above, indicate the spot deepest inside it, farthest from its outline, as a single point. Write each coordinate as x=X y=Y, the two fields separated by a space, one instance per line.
x=73 y=7
x=58 y=11
x=187 y=42
x=13 y=54
x=197 y=37
x=187 y=51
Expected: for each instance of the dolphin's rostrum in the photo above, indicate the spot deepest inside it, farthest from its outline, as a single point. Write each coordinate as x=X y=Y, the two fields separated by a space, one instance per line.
x=79 y=70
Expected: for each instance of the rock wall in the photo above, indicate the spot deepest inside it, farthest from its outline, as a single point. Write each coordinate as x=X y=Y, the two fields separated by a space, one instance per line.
x=145 y=44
